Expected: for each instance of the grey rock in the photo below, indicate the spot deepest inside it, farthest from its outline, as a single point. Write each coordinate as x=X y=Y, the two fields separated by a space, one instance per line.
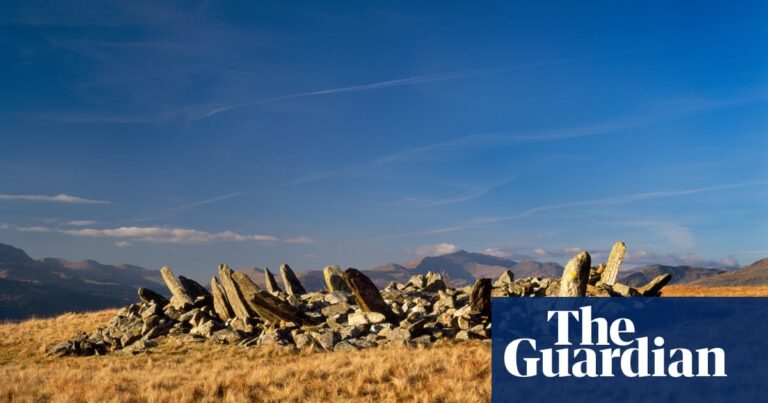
x=290 y=281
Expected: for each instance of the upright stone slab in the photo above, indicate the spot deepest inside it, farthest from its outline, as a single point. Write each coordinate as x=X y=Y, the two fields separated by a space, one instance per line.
x=653 y=288
x=611 y=271
x=334 y=279
x=148 y=296
x=220 y=304
x=576 y=276
x=264 y=304
x=270 y=283
x=291 y=282
x=179 y=296
x=367 y=295
x=480 y=296
x=236 y=301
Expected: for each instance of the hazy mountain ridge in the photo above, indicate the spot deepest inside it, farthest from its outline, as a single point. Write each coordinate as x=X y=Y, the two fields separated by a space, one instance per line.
x=640 y=276
x=753 y=274
x=51 y=286
x=460 y=268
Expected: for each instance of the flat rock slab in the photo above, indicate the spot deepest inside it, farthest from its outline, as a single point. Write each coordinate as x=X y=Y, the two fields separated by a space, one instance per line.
x=148 y=296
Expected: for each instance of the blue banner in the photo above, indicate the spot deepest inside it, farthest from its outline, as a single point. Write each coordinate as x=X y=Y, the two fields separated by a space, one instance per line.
x=630 y=350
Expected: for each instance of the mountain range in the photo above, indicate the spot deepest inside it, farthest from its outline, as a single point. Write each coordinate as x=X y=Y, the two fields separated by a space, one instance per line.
x=459 y=268
x=48 y=286
x=51 y=286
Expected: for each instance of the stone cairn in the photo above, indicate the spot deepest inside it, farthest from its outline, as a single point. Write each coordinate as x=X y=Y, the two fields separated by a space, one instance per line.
x=351 y=314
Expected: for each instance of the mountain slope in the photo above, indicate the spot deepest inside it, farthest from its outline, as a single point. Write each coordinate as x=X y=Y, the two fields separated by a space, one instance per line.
x=48 y=286
x=680 y=274
x=753 y=274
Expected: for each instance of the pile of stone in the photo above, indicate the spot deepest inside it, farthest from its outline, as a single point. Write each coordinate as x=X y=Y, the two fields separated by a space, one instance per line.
x=351 y=314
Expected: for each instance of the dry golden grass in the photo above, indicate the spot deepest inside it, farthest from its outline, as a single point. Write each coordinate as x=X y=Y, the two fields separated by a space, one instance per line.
x=682 y=290
x=178 y=372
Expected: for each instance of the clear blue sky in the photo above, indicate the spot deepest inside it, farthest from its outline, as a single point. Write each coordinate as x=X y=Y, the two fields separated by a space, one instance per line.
x=357 y=133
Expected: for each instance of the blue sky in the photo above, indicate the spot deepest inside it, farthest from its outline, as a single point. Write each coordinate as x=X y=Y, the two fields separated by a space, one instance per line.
x=358 y=133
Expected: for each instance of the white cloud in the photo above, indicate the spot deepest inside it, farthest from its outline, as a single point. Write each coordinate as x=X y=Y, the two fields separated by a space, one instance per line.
x=498 y=252
x=34 y=229
x=435 y=250
x=81 y=223
x=162 y=235
x=60 y=198
x=168 y=235
x=540 y=252
x=122 y=244
x=300 y=239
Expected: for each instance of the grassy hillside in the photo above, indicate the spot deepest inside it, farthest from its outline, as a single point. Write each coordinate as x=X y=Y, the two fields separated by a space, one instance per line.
x=209 y=372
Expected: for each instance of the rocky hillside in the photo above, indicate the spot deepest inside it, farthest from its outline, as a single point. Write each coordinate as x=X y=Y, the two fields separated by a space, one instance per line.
x=680 y=274
x=754 y=274
x=460 y=268
x=49 y=286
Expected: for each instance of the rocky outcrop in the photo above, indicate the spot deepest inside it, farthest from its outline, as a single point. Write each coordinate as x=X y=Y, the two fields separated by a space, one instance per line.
x=416 y=313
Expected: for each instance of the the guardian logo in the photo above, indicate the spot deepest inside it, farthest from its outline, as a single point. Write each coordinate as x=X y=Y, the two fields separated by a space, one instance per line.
x=606 y=350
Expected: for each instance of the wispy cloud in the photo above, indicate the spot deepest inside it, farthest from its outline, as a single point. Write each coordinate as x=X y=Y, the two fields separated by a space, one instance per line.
x=161 y=235
x=474 y=194
x=615 y=201
x=670 y=110
x=430 y=78
x=81 y=223
x=60 y=198
x=608 y=201
x=172 y=211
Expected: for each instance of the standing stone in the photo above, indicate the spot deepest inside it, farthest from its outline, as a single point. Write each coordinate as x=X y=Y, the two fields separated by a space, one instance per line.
x=575 y=276
x=220 y=304
x=234 y=297
x=611 y=271
x=334 y=279
x=180 y=298
x=480 y=296
x=270 y=283
x=368 y=297
x=148 y=296
x=654 y=287
x=291 y=282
